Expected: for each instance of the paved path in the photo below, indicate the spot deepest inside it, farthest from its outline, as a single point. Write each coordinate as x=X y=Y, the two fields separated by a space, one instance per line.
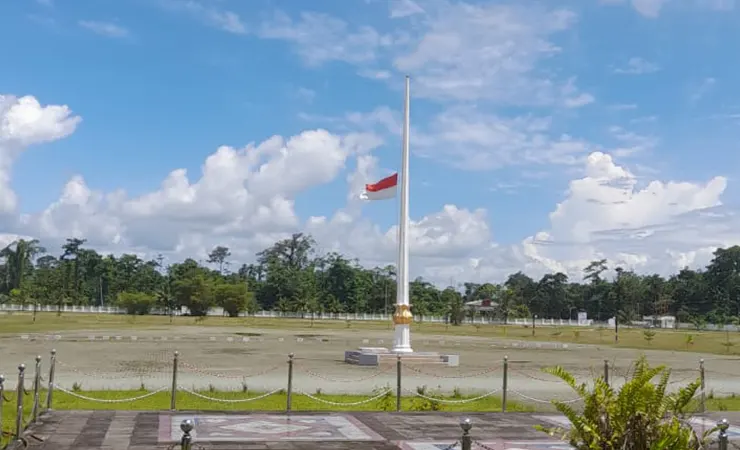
x=133 y=430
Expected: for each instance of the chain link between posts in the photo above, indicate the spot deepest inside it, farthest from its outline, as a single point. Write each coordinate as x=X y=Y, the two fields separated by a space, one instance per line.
x=539 y=400
x=361 y=402
x=228 y=400
x=117 y=400
x=452 y=402
x=461 y=376
x=482 y=445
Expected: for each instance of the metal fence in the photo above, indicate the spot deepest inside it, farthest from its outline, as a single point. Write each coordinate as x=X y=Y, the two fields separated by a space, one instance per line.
x=29 y=404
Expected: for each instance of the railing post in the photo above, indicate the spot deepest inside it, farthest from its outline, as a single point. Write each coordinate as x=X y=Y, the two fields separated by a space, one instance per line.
x=723 y=438
x=52 y=368
x=703 y=386
x=466 y=441
x=20 y=389
x=505 y=386
x=289 y=401
x=606 y=371
x=36 y=389
x=186 y=443
x=2 y=399
x=398 y=383
x=173 y=390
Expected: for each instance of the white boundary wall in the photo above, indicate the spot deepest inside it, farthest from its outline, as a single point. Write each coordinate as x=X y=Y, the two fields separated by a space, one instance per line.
x=11 y=308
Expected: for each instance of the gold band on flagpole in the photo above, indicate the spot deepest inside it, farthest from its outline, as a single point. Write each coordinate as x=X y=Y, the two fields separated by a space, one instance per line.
x=402 y=316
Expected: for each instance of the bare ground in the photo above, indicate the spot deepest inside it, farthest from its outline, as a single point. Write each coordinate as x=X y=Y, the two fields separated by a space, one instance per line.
x=220 y=357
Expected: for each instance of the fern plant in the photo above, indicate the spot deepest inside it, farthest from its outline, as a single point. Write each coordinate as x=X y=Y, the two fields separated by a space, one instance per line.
x=641 y=415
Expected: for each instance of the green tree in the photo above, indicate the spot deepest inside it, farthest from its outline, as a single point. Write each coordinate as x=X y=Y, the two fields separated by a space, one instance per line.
x=136 y=303
x=233 y=298
x=219 y=255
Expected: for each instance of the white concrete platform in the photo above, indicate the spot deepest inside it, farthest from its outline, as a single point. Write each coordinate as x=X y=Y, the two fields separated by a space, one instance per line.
x=375 y=356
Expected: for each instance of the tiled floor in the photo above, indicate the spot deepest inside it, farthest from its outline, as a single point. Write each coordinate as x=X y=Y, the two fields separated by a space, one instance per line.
x=132 y=430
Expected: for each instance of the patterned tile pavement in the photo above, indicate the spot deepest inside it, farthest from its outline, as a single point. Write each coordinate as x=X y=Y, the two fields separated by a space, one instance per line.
x=267 y=427
x=134 y=430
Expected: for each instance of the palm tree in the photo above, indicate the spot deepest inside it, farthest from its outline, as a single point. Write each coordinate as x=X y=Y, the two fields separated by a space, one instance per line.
x=19 y=256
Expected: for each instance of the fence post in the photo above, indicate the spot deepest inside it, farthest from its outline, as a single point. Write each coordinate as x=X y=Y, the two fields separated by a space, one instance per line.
x=52 y=368
x=505 y=386
x=20 y=389
x=186 y=443
x=466 y=441
x=173 y=391
x=36 y=388
x=289 y=402
x=2 y=399
x=398 y=383
x=702 y=378
x=724 y=438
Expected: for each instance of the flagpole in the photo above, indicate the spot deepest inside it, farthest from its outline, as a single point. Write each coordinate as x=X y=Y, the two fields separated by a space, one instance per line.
x=402 y=317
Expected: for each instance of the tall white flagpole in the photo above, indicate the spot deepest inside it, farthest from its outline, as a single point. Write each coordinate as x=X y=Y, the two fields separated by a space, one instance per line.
x=402 y=317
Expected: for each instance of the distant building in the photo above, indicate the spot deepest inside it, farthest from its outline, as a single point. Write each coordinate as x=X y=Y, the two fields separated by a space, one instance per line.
x=660 y=321
x=484 y=307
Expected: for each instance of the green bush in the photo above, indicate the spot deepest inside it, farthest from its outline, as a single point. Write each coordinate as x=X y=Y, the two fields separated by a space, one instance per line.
x=136 y=303
x=641 y=415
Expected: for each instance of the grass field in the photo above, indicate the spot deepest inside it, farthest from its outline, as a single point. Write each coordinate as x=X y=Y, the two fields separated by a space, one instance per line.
x=673 y=340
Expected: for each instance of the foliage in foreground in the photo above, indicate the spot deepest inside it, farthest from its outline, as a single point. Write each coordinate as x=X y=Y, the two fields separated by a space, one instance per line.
x=641 y=415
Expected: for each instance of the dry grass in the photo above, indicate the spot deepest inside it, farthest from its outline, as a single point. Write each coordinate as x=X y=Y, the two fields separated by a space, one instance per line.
x=673 y=340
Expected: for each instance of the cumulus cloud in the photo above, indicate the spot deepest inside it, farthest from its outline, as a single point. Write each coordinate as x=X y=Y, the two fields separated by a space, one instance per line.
x=24 y=123
x=245 y=198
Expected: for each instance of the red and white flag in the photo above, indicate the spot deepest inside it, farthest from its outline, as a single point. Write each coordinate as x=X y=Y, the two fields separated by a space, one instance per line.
x=382 y=190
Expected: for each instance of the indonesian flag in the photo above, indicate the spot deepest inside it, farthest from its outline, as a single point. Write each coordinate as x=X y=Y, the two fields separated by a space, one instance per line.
x=382 y=190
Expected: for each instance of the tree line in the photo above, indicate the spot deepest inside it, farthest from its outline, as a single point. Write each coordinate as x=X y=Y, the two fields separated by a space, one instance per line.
x=290 y=276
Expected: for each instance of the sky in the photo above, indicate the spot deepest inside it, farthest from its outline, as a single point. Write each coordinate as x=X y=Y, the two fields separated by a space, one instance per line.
x=544 y=135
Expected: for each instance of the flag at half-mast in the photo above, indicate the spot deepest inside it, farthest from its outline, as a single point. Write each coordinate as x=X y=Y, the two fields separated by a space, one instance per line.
x=382 y=190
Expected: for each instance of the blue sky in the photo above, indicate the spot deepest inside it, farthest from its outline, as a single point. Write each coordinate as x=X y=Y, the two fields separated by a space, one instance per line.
x=161 y=84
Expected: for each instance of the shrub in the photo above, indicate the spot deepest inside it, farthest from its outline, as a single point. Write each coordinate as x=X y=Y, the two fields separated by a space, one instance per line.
x=641 y=415
x=136 y=303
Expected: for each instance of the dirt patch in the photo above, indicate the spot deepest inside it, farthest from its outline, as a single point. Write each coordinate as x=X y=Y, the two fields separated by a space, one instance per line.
x=208 y=357
x=234 y=351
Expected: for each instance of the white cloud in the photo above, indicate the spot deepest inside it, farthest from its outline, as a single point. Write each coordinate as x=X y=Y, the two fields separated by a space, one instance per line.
x=704 y=88
x=492 y=52
x=209 y=14
x=442 y=50
x=653 y=8
x=106 y=29
x=245 y=198
x=623 y=106
x=649 y=8
x=637 y=66
x=631 y=143
x=468 y=139
x=404 y=8
x=375 y=74
x=305 y=94
x=23 y=123
x=319 y=38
